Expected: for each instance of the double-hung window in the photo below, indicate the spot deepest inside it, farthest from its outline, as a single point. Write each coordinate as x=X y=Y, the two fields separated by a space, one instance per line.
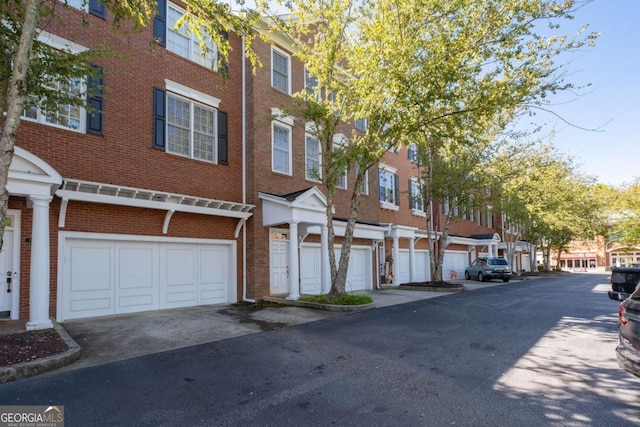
x=65 y=116
x=181 y=42
x=280 y=70
x=191 y=128
x=389 y=188
x=415 y=196
x=313 y=159
x=189 y=123
x=361 y=124
x=311 y=85
x=281 y=148
x=364 y=189
x=489 y=217
x=412 y=152
x=339 y=144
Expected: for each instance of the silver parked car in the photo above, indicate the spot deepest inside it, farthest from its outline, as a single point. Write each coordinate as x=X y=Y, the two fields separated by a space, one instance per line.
x=487 y=269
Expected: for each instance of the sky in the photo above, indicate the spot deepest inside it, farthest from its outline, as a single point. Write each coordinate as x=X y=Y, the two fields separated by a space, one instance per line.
x=611 y=103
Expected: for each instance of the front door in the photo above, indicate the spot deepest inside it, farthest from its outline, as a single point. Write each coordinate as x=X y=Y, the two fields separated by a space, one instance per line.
x=8 y=266
x=279 y=264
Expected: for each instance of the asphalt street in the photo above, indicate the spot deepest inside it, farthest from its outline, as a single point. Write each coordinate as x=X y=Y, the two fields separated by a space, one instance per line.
x=531 y=353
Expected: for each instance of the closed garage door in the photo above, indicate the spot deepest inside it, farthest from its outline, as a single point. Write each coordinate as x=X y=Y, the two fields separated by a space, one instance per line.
x=104 y=277
x=454 y=261
x=359 y=267
x=358 y=273
x=421 y=269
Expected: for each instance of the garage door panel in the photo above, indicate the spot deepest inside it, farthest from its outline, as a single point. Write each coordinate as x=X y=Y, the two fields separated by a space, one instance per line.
x=136 y=267
x=180 y=266
x=454 y=261
x=87 y=279
x=403 y=267
x=357 y=273
x=213 y=276
x=91 y=268
x=310 y=271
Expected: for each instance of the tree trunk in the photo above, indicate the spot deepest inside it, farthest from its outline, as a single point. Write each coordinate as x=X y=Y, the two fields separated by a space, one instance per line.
x=15 y=97
x=339 y=272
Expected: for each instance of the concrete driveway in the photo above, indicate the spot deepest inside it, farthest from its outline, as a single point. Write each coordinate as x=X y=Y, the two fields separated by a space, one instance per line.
x=112 y=338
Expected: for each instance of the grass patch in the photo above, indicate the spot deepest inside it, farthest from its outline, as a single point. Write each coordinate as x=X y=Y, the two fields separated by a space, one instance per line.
x=338 y=299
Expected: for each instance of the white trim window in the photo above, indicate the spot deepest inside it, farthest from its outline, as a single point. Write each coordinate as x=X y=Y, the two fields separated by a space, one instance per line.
x=389 y=188
x=412 y=152
x=361 y=124
x=341 y=180
x=186 y=44
x=191 y=128
x=78 y=4
x=71 y=117
x=445 y=206
x=365 y=181
x=311 y=85
x=489 y=217
x=416 y=201
x=281 y=147
x=280 y=70
x=313 y=159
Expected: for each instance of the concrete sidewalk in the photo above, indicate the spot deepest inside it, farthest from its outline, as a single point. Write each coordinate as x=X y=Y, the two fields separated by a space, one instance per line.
x=113 y=338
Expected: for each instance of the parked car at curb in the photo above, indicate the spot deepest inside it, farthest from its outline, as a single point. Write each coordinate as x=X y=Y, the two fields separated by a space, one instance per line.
x=487 y=269
x=624 y=281
x=628 y=349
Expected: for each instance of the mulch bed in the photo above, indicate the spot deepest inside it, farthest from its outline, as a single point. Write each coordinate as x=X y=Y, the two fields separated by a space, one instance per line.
x=30 y=345
x=444 y=285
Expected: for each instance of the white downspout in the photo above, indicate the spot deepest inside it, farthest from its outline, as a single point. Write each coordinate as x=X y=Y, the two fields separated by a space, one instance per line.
x=244 y=174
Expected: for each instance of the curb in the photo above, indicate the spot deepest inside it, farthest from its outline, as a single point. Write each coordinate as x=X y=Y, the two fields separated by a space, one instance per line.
x=318 y=306
x=28 y=369
x=460 y=288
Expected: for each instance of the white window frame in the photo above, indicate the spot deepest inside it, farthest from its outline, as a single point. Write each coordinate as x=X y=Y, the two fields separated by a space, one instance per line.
x=339 y=141
x=389 y=171
x=317 y=177
x=209 y=61
x=417 y=205
x=192 y=104
x=78 y=4
x=62 y=44
x=413 y=152
x=275 y=50
x=489 y=216
x=289 y=128
x=361 y=124
x=310 y=90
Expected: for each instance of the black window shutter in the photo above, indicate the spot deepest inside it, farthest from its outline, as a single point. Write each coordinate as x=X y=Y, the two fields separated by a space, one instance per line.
x=159 y=109
x=223 y=138
x=223 y=65
x=411 y=196
x=396 y=183
x=96 y=7
x=94 y=99
x=160 y=23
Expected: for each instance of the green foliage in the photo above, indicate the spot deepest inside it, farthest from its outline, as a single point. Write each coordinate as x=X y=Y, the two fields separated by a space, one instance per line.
x=347 y=299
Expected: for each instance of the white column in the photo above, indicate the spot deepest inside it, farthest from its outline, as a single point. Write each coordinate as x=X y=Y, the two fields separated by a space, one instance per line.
x=412 y=261
x=294 y=276
x=39 y=286
x=325 y=273
x=396 y=261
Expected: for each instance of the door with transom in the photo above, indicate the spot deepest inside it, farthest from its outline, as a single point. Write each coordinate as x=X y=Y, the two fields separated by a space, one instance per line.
x=279 y=263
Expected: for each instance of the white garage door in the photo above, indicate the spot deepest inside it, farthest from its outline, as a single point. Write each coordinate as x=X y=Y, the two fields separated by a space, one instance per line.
x=358 y=273
x=454 y=261
x=310 y=283
x=103 y=277
x=421 y=269
x=359 y=269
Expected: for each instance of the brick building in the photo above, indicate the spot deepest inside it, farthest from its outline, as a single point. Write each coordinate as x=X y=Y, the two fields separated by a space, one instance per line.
x=189 y=188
